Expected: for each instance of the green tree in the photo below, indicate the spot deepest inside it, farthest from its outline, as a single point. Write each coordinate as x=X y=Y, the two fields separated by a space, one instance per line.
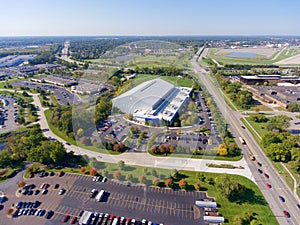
x=237 y=220
x=121 y=164
x=277 y=152
x=269 y=138
x=129 y=177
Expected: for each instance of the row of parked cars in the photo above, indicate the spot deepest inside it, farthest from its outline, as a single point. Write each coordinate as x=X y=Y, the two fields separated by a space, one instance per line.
x=110 y=219
x=28 y=212
x=45 y=174
x=99 y=179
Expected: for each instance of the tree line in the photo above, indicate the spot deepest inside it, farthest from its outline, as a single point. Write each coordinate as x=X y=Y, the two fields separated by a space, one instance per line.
x=280 y=145
x=33 y=146
x=242 y=98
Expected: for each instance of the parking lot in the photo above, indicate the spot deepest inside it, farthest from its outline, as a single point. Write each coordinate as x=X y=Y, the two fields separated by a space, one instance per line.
x=135 y=201
x=62 y=95
x=8 y=115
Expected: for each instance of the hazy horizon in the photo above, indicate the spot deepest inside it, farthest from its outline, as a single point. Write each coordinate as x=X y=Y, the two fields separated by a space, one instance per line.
x=149 y=18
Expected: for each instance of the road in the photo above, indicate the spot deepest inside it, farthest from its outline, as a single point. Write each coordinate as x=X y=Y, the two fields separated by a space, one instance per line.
x=279 y=187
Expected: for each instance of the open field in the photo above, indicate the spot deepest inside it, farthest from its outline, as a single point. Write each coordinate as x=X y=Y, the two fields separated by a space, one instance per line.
x=147 y=54
x=294 y=60
x=259 y=127
x=264 y=56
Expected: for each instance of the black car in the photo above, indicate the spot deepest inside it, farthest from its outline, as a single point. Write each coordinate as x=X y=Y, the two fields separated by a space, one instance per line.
x=260 y=171
x=49 y=214
x=281 y=198
x=56 y=186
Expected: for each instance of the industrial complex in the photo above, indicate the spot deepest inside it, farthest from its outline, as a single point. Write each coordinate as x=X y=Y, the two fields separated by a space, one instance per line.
x=154 y=100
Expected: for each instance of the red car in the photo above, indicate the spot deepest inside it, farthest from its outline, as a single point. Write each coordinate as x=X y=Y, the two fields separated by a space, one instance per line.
x=286 y=214
x=65 y=218
x=61 y=173
x=73 y=220
x=111 y=217
x=269 y=185
x=258 y=163
x=266 y=175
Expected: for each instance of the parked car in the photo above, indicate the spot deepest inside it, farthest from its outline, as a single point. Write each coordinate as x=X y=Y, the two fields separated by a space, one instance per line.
x=73 y=220
x=61 y=173
x=65 y=218
x=266 y=175
x=269 y=185
x=49 y=214
x=62 y=191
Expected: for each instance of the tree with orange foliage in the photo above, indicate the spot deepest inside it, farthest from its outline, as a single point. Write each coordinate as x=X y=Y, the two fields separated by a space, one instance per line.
x=169 y=182
x=117 y=175
x=182 y=184
x=142 y=179
x=155 y=181
x=93 y=171
x=82 y=169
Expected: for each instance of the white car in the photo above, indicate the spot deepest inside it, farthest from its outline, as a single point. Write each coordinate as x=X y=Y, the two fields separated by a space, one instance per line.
x=94 y=178
x=61 y=191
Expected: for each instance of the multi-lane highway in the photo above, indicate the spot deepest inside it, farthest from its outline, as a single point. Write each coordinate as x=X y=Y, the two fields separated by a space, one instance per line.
x=278 y=185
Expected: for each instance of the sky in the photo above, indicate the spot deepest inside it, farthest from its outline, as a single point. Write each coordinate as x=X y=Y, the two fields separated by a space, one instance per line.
x=149 y=17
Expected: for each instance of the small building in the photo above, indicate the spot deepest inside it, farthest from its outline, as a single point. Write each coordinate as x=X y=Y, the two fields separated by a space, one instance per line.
x=214 y=219
x=206 y=204
x=260 y=79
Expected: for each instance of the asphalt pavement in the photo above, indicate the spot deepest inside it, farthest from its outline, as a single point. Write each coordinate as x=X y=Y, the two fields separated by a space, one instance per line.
x=279 y=186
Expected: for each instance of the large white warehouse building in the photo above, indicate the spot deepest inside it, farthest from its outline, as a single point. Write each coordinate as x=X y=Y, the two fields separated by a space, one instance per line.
x=153 y=100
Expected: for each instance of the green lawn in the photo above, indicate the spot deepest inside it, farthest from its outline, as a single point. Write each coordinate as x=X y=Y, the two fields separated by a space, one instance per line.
x=54 y=100
x=259 y=127
x=178 y=81
x=214 y=157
